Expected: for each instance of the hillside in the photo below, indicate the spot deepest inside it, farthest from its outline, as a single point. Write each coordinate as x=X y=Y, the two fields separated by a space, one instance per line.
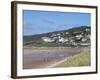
x=73 y=37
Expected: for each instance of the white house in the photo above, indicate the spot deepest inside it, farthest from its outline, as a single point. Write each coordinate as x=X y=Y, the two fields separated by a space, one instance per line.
x=85 y=44
x=87 y=29
x=63 y=40
x=79 y=36
x=66 y=40
x=47 y=39
x=84 y=39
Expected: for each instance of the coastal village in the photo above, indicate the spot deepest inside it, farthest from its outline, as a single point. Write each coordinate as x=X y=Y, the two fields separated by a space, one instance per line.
x=75 y=39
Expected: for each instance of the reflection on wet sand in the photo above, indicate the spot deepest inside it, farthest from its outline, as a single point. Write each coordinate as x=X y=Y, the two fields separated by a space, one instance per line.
x=43 y=57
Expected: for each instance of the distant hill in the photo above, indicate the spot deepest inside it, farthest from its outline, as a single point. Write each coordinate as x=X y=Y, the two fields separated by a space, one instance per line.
x=73 y=36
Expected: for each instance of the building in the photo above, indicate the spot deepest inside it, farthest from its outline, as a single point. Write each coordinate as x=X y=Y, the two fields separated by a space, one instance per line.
x=47 y=39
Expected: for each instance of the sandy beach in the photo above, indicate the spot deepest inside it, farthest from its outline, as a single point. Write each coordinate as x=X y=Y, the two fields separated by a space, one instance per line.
x=42 y=57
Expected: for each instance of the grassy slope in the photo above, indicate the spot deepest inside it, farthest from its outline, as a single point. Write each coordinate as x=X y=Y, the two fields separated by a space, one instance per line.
x=82 y=59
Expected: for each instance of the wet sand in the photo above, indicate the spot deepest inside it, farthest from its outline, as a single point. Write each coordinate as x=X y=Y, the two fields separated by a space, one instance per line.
x=42 y=60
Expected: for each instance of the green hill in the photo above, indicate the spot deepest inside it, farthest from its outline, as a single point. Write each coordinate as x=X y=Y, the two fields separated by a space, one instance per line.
x=76 y=34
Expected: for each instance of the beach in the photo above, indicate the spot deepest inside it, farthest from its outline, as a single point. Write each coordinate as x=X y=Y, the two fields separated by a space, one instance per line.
x=47 y=57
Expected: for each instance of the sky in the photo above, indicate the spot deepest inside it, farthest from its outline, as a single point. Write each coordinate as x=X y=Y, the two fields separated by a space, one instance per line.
x=38 y=22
